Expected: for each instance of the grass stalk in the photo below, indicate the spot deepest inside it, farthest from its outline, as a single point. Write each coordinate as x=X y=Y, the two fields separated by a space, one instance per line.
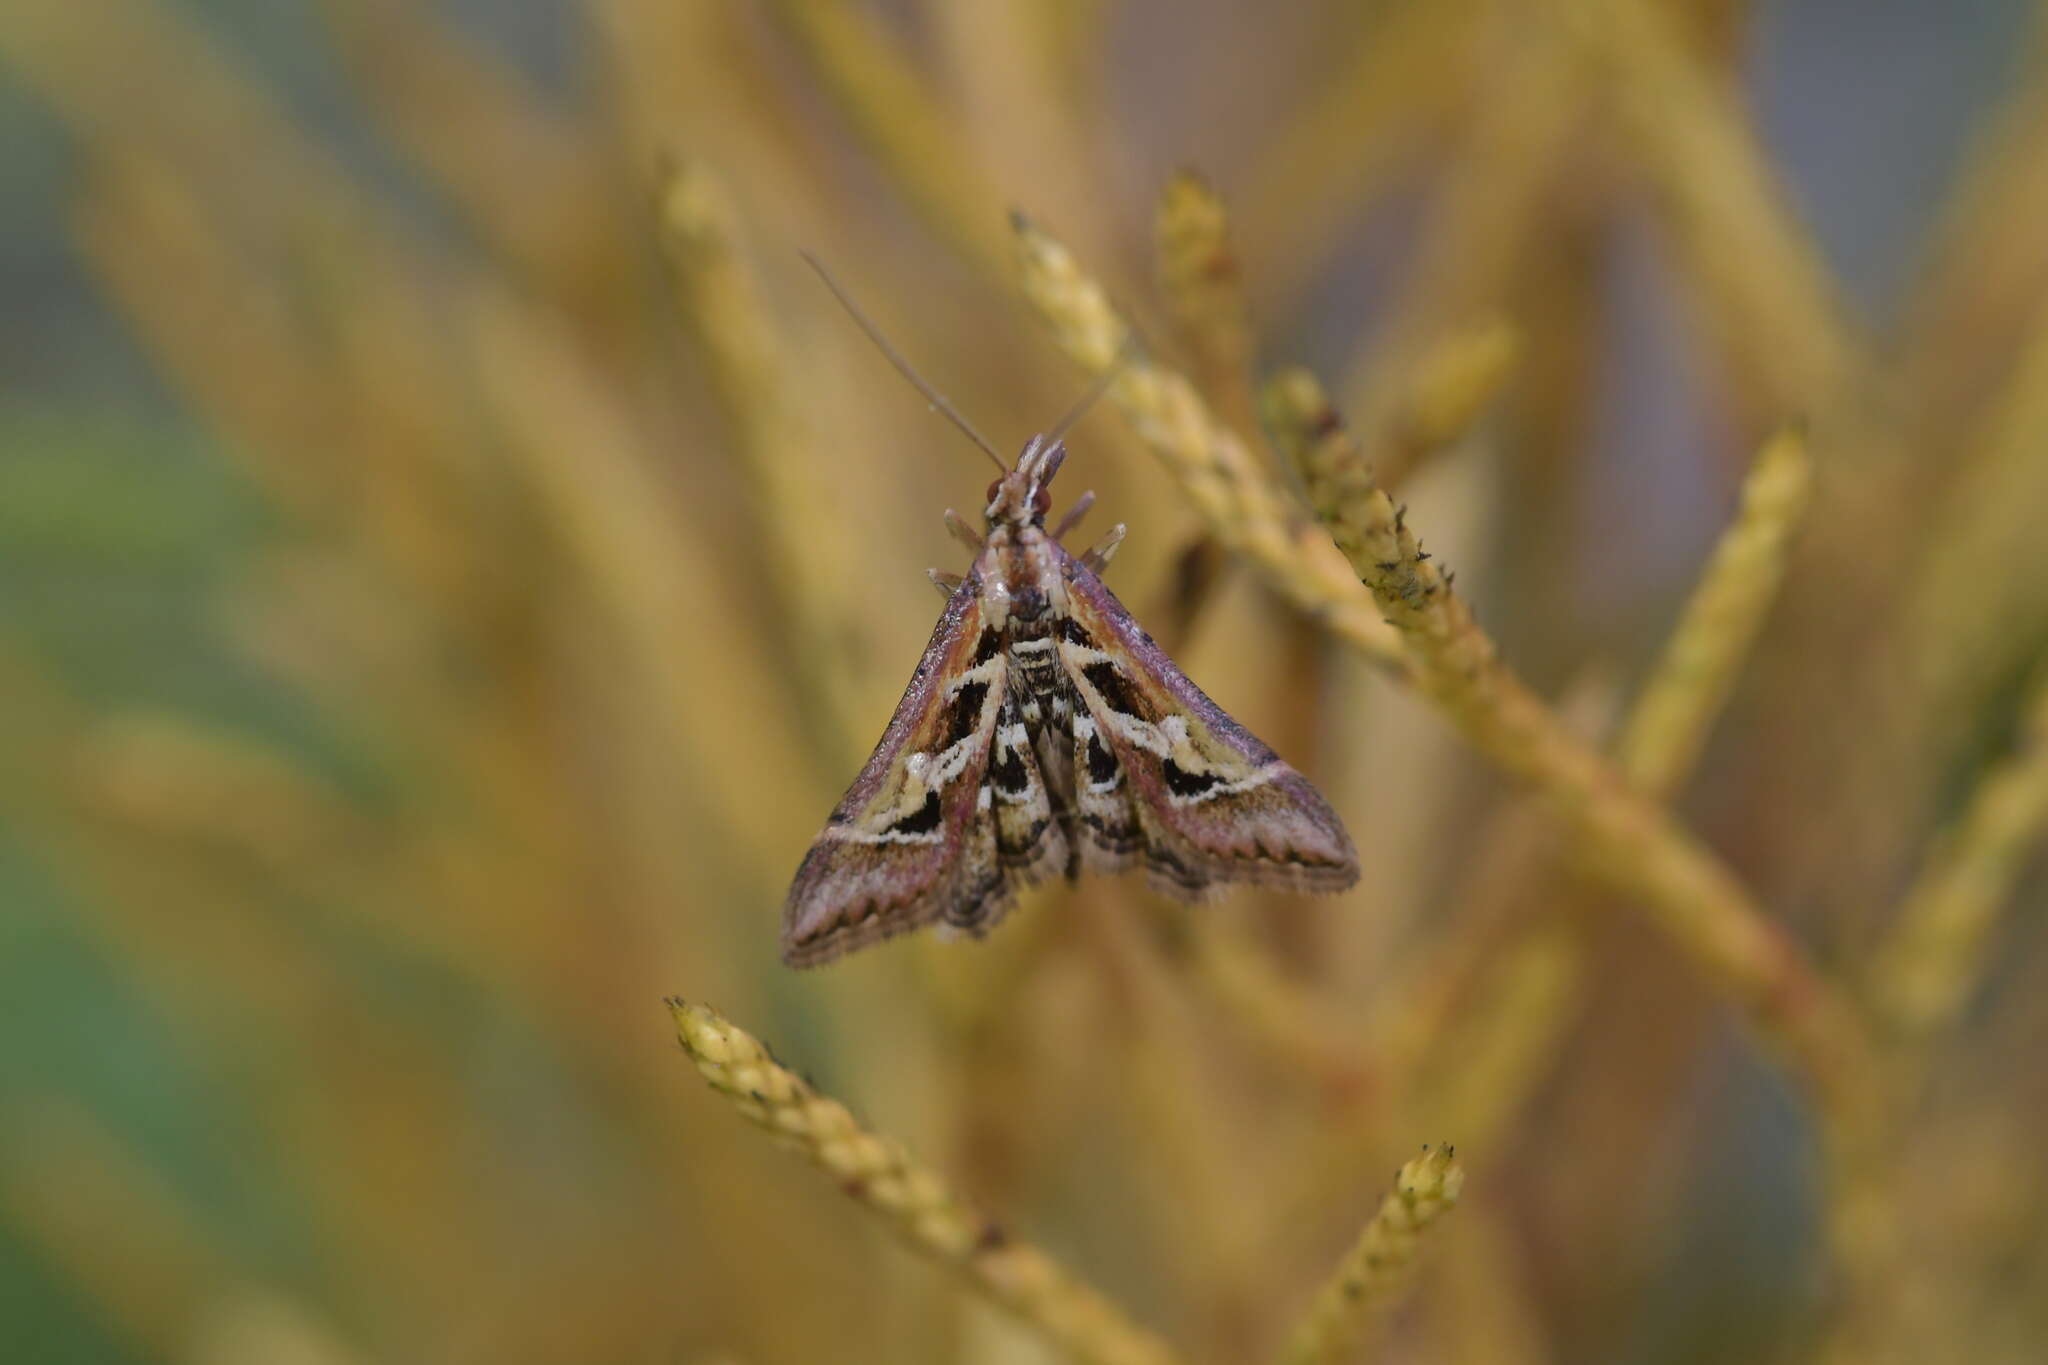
x=1368 y=1281
x=911 y=1198
x=1690 y=683
x=1627 y=840
x=1215 y=468
x=1938 y=948
x=1203 y=281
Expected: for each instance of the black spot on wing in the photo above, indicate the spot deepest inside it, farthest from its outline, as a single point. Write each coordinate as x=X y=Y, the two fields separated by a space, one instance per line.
x=987 y=647
x=965 y=717
x=1009 y=773
x=923 y=820
x=1074 y=633
x=1101 y=763
x=1181 y=782
x=1115 y=689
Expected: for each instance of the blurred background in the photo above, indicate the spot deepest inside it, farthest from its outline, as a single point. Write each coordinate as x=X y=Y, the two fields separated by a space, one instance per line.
x=453 y=555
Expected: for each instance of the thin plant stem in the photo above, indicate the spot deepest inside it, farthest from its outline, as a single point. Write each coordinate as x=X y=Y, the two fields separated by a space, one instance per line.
x=1368 y=1281
x=1691 y=681
x=1938 y=947
x=1630 y=842
x=1215 y=468
x=911 y=1198
x=1203 y=280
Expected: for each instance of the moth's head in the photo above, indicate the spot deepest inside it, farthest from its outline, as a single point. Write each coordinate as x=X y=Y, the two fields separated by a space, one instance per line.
x=1021 y=497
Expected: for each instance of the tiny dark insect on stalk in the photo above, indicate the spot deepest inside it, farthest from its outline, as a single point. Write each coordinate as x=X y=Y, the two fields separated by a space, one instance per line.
x=1043 y=733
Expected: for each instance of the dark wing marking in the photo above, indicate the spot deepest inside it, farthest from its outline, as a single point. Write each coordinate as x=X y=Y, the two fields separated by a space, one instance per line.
x=1112 y=837
x=1029 y=840
x=910 y=842
x=1026 y=843
x=1198 y=797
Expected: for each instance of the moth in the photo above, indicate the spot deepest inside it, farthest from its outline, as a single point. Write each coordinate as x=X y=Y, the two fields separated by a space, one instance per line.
x=1043 y=733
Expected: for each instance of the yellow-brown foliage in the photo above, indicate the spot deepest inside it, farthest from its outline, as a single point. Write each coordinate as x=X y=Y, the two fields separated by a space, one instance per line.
x=1701 y=902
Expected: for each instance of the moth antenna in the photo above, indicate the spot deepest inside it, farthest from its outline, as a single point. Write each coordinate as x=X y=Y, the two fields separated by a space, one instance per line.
x=1095 y=391
x=962 y=532
x=932 y=396
x=946 y=583
x=1097 y=559
x=1074 y=515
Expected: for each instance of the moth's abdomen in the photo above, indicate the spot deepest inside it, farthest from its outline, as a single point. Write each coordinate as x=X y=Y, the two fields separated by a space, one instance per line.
x=1034 y=664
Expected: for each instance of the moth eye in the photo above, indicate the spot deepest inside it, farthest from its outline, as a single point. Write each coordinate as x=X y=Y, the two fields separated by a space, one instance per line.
x=994 y=484
x=1041 y=503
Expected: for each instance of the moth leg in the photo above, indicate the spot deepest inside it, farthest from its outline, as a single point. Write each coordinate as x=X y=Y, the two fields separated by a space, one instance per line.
x=1097 y=559
x=946 y=583
x=962 y=532
x=1074 y=515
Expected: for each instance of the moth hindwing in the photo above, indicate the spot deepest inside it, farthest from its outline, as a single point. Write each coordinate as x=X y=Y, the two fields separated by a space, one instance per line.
x=1044 y=732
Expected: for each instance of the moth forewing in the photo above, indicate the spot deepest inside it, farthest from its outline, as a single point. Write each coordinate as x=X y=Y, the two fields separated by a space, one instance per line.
x=1212 y=803
x=891 y=856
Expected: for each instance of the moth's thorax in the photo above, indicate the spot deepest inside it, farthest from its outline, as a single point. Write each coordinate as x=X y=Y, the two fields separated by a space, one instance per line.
x=1023 y=588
